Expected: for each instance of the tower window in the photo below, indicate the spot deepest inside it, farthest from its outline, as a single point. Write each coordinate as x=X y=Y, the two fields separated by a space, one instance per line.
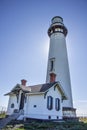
x=56 y=29
x=61 y=30
x=12 y=105
x=52 y=64
x=51 y=31
x=49 y=103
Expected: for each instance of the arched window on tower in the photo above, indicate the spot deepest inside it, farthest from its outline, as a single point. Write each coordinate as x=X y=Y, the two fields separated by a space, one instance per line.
x=52 y=64
x=12 y=105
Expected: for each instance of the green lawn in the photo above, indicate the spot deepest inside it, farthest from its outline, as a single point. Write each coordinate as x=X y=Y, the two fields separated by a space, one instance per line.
x=2 y=115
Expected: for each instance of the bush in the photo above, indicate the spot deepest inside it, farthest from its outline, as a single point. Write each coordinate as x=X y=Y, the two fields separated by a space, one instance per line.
x=45 y=125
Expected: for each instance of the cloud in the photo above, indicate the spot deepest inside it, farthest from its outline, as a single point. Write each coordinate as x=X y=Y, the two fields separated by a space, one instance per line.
x=81 y=107
x=80 y=101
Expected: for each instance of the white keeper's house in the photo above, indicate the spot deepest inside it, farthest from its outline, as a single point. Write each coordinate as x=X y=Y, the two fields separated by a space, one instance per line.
x=53 y=99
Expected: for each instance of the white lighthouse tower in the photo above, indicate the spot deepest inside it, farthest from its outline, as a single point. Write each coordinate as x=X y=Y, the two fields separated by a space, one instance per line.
x=58 y=61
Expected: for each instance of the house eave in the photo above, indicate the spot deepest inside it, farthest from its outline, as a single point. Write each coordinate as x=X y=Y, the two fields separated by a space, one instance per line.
x=36 y=93
x=10 y=93
x=64 y=96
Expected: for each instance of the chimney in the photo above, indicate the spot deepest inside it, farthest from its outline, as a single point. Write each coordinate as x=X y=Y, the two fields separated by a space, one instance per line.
x=23 y=82
x=52 y=77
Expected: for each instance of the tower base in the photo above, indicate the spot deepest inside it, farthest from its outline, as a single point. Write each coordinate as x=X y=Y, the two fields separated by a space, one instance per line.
x=69 y=112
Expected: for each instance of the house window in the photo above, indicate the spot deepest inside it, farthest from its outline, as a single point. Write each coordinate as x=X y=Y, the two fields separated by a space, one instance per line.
x=52 y=60
x=12 y=105
x=49 y=117
x=35 y=106
x=57 y=117
x=49 y=103
x=57 y=104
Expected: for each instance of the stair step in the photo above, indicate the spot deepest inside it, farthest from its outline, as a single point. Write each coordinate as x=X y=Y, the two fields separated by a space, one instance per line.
x=5 y=121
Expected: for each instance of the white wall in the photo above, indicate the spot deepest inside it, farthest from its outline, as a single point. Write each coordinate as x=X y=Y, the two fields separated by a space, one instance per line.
x=41 y=111
x=55 y=94
x=12 y=99
x=58 y=51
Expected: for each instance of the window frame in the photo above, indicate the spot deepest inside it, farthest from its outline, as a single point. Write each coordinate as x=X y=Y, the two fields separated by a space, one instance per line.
x=12 y=105
x=52 y=64
x=57 y=104
x=49 y=102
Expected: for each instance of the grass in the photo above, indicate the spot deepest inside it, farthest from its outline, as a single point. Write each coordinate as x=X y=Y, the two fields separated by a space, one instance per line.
x=83 y=119
x=2 y=115
x=45 y=125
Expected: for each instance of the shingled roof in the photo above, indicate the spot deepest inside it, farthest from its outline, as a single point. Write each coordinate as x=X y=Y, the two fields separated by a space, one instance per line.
x=41 y=87
x=47 y=86
x=44 y=87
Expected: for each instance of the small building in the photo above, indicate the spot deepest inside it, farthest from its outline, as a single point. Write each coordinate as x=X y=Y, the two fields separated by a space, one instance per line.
x=42 y=101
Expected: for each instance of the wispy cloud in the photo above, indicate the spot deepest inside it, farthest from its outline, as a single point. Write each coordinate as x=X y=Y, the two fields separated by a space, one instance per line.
x=80 y=101
x=81 y=107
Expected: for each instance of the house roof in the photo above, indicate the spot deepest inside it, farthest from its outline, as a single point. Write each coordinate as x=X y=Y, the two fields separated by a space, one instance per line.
x=22 y=87
x=19 y=87
x=41 y=87
x=38 y=89
x=46 y=86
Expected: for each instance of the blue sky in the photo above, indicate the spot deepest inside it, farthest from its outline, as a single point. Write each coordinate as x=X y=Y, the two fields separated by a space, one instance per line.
x=24 y=44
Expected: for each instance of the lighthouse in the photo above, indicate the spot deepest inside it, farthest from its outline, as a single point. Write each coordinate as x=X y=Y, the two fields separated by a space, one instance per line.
x=53 y=99
x=58 y=67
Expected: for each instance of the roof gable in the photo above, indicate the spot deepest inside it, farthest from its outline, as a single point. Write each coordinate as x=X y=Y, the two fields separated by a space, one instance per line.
x=60 y=89
x=19 y=87
x=41 y=88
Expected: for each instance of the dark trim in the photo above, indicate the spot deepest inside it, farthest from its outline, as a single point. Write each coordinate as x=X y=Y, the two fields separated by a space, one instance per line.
x=54 y=87
x=49 y=102
x=56 y=17
x=68 y=109
x=17 y=96
x=22 y=101
x=65 y=31
x=45 y=94
x=57 y=23
x=57 y=104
